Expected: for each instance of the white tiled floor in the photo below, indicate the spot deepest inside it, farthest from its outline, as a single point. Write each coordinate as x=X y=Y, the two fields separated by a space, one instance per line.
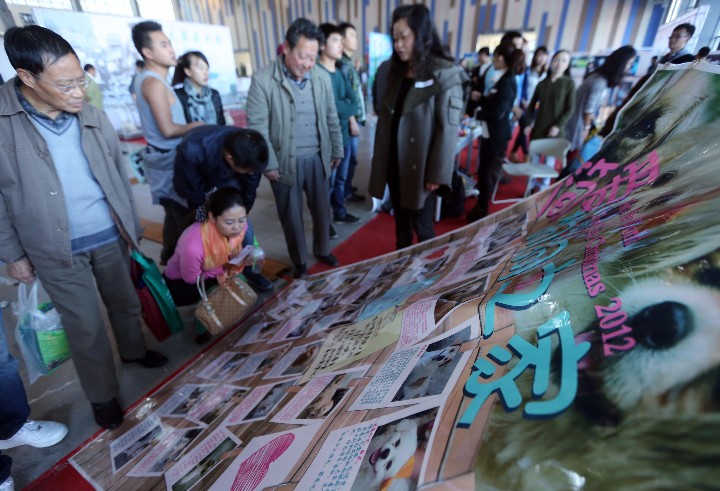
x=59 y=396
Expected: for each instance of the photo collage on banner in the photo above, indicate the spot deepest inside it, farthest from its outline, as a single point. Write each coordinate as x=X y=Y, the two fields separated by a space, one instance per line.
x=566 y=342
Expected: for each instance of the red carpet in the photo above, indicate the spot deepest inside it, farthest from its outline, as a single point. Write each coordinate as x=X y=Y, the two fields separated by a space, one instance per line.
x=377 y=237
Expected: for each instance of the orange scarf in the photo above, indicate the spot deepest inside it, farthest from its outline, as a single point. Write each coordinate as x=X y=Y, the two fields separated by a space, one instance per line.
x=219 y=249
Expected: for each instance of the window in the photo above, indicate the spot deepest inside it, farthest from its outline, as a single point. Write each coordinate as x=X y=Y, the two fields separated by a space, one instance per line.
x=48 y=4
x=156 y=9
x=112 y=7
x=673 y=11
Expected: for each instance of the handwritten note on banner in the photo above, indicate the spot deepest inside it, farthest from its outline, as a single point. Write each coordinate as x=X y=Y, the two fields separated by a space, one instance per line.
x=319 y=397
x=417 y=373
x=355 y=458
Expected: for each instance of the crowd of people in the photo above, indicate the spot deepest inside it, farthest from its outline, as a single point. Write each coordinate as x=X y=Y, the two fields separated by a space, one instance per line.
x=68 y=216
x=544 y=102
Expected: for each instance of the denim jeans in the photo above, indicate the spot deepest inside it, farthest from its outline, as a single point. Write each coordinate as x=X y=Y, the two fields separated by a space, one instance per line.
x=337 y=185
x=14 y=409
x=351 y=165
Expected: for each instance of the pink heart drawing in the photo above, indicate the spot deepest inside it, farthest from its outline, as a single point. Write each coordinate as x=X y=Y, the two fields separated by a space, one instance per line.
x=254 y=469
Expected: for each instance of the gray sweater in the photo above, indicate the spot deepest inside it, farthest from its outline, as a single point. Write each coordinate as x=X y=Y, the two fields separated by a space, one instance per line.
x=271 y=111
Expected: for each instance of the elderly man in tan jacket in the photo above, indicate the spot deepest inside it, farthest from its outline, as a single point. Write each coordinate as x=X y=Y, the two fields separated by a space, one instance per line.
x=67 y=213
x=292 y=105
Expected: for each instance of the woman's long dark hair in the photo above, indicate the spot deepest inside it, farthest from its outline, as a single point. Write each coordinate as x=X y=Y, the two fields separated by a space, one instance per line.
x=427 y=42
x=535 y=64
x=185 y=61
x=614 y=67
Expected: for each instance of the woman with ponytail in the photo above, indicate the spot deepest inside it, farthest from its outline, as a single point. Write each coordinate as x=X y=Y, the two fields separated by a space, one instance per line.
x=208 y=246
x=199 y=101
x=495 y=109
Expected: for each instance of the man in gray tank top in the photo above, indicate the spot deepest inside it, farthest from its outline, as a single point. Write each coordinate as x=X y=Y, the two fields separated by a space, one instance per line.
x=292 y=105
x=163 y=123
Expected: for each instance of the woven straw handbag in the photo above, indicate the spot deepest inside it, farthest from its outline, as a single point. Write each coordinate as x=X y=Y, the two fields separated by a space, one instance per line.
x=225 y=306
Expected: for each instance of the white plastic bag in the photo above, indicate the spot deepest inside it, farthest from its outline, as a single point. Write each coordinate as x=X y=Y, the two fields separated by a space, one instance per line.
x=39 y=333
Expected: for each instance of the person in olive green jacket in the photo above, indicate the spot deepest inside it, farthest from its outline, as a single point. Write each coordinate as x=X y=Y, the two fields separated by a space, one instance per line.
x=291 y=103
x=551 y=106
x=419 y=109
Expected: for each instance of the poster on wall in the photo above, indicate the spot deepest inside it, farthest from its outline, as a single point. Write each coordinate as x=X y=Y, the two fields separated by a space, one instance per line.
x=105 y=41
x=575 y=346
x=379 y=49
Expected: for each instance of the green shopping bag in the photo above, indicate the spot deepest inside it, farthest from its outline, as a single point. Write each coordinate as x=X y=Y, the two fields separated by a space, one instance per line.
x=39 y=333
x=153 y=279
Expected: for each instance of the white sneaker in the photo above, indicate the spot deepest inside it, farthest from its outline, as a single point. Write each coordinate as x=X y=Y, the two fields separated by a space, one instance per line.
x=7 y=485
x=37 y=434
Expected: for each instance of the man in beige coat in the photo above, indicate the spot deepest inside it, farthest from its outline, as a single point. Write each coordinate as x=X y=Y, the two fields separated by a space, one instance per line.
x=292 y=105
x=67 y=214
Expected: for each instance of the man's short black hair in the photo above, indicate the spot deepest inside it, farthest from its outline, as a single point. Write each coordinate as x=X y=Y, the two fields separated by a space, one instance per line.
x=328 y=30
x=344 y=26
x=484 y=51
x=88 y=66
x=687 y=26
x=141 y=34
x=509 y=36
x=248 y=150
x=305 y=28
x=34 y=47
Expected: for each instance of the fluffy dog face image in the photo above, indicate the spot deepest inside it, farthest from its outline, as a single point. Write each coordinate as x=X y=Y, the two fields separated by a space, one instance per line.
x=395 y=455
x=651 y=409
x=387 y=454
x=417 y=382
x=648 y=394
x=673 y=367
x=445 y=355
x=325 y=403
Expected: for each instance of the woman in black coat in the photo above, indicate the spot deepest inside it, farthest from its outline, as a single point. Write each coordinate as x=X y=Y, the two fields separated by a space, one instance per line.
x=200 y=102
x=496 y=110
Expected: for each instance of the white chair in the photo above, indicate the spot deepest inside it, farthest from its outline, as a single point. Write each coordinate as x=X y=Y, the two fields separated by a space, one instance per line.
x=549 y=147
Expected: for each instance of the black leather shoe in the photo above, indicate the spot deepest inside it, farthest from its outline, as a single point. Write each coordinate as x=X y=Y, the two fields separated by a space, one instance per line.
x=348 y=218
x=355 y=198
x=333 y=232
x=151 y=359
x=109 y=414
x=476 y=213
x=203 y=338
x=330 y=260
x=300 y=270
x=258 y=282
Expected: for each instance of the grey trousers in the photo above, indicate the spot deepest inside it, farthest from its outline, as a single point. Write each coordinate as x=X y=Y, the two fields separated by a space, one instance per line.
x=74 y=292
x=310 y=177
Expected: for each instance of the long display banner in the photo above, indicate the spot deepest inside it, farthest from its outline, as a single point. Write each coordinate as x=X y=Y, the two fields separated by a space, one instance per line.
x=569 y=342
